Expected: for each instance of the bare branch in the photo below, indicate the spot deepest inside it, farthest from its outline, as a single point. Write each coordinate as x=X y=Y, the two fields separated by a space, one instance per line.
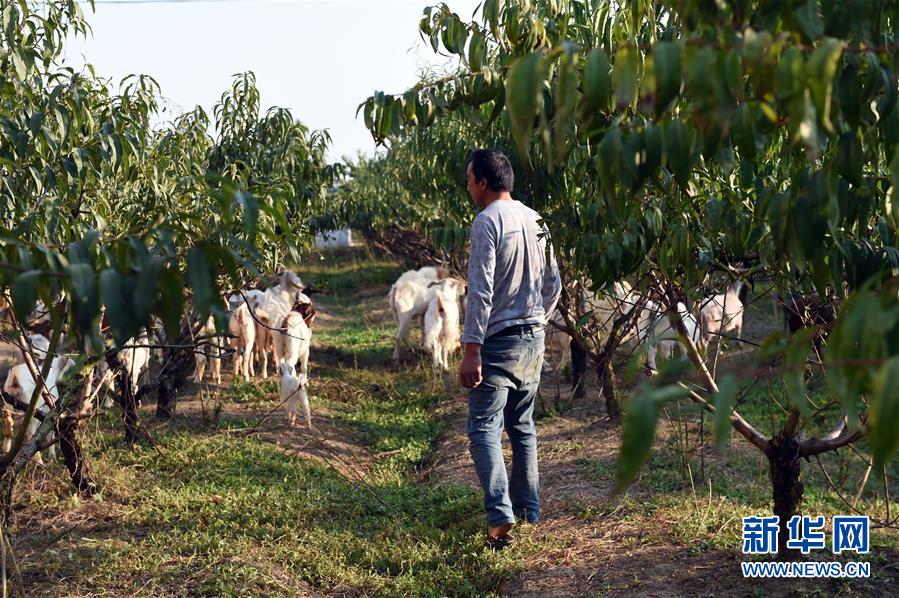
x=840 y=436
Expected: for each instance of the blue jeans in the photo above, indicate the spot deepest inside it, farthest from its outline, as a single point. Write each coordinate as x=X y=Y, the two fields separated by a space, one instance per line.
x=505 y=399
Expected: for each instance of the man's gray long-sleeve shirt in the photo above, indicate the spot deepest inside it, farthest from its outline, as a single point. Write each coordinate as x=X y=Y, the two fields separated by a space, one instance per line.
x=510 y=281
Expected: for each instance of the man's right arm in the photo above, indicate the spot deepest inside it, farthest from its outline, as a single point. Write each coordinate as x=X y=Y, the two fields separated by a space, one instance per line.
x=481 y=266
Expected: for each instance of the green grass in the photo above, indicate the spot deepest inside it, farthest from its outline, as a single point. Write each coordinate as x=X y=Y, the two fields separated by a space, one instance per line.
x=394 y=417
x=242 y=391
x=241 y=510
x=341 y=274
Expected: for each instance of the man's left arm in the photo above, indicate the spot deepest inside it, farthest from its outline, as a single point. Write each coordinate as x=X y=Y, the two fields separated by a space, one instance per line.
x=552 y=282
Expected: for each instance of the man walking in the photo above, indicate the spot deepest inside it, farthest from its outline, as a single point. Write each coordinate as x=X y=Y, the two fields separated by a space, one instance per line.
x=513 y=287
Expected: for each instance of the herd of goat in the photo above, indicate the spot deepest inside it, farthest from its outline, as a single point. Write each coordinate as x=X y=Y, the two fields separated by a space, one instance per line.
x=437 y=299
x=275 y=324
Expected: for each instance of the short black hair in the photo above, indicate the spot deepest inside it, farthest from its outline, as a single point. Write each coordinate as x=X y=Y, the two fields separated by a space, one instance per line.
x=493 y=166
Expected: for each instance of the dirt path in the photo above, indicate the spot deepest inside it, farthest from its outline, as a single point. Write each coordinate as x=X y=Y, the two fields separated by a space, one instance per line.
x=574 y=566
x=329 y=442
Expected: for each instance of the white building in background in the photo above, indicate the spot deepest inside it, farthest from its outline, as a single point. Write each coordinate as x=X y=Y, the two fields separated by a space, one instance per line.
x=334 y=238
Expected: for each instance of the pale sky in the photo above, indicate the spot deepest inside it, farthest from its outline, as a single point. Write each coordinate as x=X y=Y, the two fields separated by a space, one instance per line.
x=320 y=59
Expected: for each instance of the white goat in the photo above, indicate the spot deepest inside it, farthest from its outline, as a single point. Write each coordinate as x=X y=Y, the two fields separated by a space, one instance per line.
x=40 y=344
x=243 y=331
x=292 y=338
x=134 y=361
x=293 y=387
x=722 y=313
x=270 y=310
x=253 y=296
x=211 y=351
x=409 y=298
x=137 y=360
x=290 y=282
x=558 y=344
x=660 y=334
x=606 y=307
x=21 y=385
x=441 y=333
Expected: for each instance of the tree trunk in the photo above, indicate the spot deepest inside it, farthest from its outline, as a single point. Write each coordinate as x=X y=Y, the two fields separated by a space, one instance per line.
x=166 y=401
x=129 y=407
x=126 y=399
x=610 y=392
x=785 y=466
x=7 y=483
x=73 y=456
x=578 y=369
x=69 y=442
x=178 y=365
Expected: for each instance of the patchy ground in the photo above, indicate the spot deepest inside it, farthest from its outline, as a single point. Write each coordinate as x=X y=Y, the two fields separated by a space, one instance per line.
x=676 y=532
x=591 y=543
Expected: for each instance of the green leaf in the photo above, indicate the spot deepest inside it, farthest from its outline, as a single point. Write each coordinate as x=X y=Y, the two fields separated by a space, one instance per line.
x=888 y=102
x=24 y=294
x=116 y=291
x=652 y=143
x=679 y=140
x=20 y=65
x=490 y=12
x=624 y=76
x=597 y=81
x=856 y=337
x=79 y=161
x=524 y=95
x=724 y=401
x=566 y=97
x=892 y=195
x=641 y=416
x=146 y=288
x=822 y=66
x=85 y=299
x=477 y=50
x=883 y=414
x=810 y=214
x=200 y=277
x=849 y=91
x=250 y=211
x=498 y=103
x=809 y=20
x=850 y=158
x=170 y=304
x=667 y=68
x=610 y=151
x=790 y=74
